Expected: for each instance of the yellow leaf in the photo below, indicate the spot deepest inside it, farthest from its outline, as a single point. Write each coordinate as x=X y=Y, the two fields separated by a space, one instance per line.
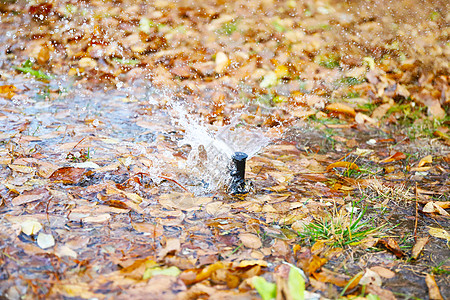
x=439 y=233
x=426 y=160
x=281 y=71
x=247 y=263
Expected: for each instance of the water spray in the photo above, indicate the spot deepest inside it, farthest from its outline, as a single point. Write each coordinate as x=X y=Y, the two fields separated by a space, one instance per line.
x=237 y=173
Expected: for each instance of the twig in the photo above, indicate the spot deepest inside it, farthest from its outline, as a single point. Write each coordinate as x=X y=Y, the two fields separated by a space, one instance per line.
x=174 y=181
x=166 y=178
x=417 y=212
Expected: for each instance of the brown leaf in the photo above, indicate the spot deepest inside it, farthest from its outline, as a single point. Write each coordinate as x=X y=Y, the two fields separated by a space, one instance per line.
x=433 y=289
x=392 y=246
x=172 y=246
x=68 y=175
x=435 y=110
x=381 y=111
x=182 y=71
x=21 y=168
x=183 y=201
x=383 y=272
x=338 y=279
x=22 y=199
x=154 y=229
x=250 y=240
x=380 y=292
x=418 y=247
x=97 y=219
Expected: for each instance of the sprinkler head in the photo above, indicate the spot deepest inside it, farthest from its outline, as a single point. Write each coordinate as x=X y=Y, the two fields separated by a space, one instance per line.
x=237 y=173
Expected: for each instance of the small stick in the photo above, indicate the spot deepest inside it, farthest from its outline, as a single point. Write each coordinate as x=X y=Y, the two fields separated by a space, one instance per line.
x=417 y=212
x=174 y=181
x=166 y=178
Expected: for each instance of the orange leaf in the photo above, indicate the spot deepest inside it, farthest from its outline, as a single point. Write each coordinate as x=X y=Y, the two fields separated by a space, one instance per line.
x=316 y=263
x=331 y=277
x=341 y=108
x=394 y=157
x=8 y=91
x=343 y=164
x=207 y=271
x=68 y=175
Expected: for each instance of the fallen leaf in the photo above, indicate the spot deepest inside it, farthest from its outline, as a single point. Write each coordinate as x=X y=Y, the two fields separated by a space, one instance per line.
x=68 y=175
x=45 y=240
x=315 y=264
x=87 y=62
x=81 y=290
x=383 y=272
x=418 y=247
x=338 y=279
x=361 y=118
x=371 y=277
x=248 y=263
x=64 y=250
x=394 y=157
x=266 y=290
x=22 y=199
x=392 y=246
x=439 y=233
x=341 y=108
x=172 y=246
x=296 y=284
x=343 y=164
x=21 y=168
x=222 y=62
x=207 y=271
x=8 y=91
x=250 y=240
x=97 y=219
x=435 y=110
x=432 y=207
x=433 y=289
x=217 y=208
x=31 y=227
x=171 y=271
x=154 y=229
x=380 y=293
x=426 y=160
x=183 y=201
x=381 y=111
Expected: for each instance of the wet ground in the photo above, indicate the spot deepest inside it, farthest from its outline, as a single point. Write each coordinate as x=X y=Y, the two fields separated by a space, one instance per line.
x=92 y=150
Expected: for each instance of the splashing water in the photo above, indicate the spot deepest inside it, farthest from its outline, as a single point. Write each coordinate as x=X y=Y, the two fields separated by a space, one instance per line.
x=208 y=163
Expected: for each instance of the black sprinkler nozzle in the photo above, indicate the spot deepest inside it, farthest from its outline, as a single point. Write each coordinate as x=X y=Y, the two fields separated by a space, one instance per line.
x=238 y=173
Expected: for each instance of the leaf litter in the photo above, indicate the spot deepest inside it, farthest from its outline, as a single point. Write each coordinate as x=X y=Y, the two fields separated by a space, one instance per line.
x=106 y=193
